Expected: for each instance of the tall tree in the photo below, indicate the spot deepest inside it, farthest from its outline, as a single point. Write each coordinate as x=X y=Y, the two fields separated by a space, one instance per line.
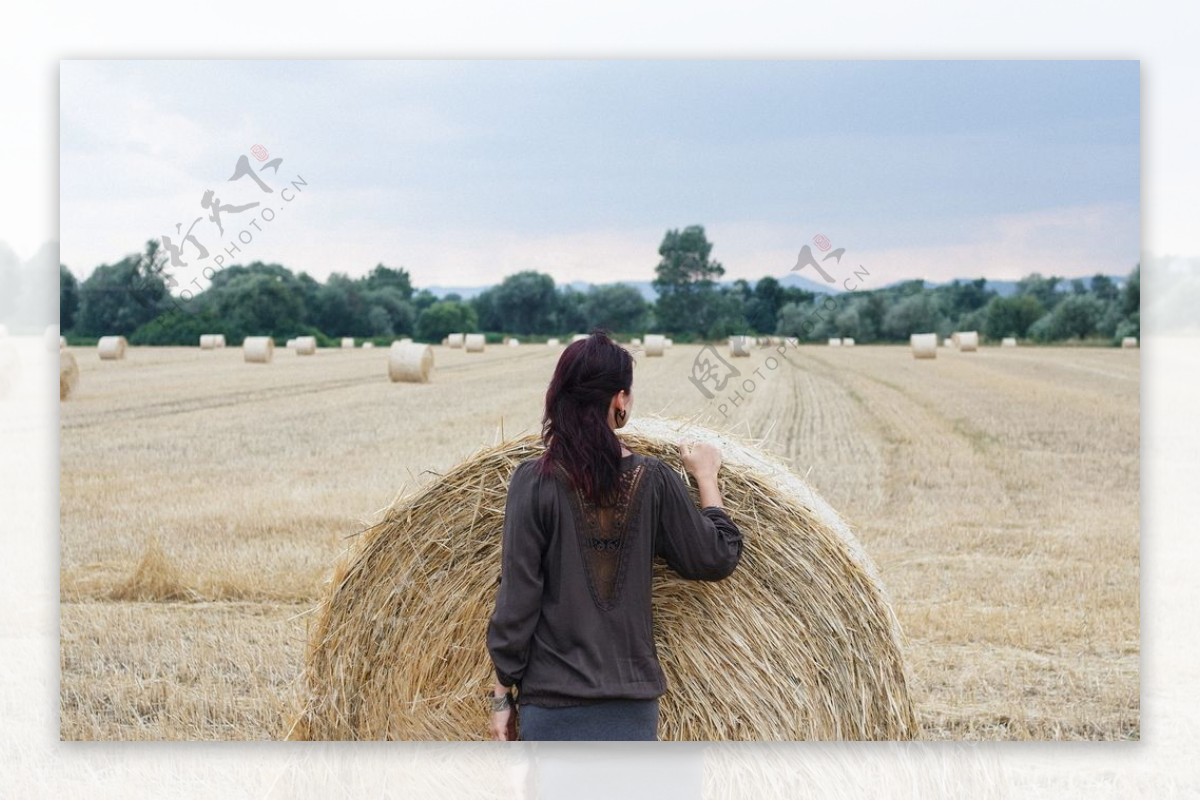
x=685 y=279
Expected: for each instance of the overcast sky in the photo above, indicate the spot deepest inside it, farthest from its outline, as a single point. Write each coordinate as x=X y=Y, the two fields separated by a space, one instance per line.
x=466 y=171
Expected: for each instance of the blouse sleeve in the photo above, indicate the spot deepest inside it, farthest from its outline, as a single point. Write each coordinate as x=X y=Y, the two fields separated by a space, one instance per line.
x=518 y=601
x=700 y=544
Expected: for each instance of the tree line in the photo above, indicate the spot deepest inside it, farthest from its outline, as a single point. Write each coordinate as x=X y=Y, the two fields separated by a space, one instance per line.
x=132 y=298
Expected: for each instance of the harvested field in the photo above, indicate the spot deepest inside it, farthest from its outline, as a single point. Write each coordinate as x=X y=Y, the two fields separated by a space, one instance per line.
x=996 y=491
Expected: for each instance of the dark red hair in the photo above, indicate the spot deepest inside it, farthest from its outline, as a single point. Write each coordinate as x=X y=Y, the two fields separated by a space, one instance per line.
x=575 y=425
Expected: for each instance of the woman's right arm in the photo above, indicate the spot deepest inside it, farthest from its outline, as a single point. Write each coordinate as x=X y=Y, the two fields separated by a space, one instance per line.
x=697 y=543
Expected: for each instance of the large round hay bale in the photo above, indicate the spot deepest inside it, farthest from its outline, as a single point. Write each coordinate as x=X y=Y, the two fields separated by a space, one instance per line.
x=835 y=342
x=1008 y=342
x=208 y=341
x=68 y=374
x=668 y=342
x=924 y=346
x=474 y=343
x=348 y=343
x=305 y=346
x=636 y=342
x=799 y=643
x=406 y=340
x=454 y=340
x=368 y=345
x=552 y=342
x=739 y=346
x=512 y=342
x=408 y=362
x=111 y=347
x=847 y=342
x=258 y=350
x=655 y=344
x=968 y=341
x=219 y=340
x=1130 y=342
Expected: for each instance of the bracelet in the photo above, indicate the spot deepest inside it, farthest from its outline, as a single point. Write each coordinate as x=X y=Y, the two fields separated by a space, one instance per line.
x=502 y=702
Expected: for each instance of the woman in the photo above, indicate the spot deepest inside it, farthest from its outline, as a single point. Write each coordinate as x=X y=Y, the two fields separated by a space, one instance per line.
x=572 y=626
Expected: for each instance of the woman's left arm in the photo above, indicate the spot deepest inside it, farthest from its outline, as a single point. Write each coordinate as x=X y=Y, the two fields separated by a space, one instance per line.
x=519 y=599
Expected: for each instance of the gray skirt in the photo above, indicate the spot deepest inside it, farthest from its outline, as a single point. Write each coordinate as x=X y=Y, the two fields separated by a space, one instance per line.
x=618 y=719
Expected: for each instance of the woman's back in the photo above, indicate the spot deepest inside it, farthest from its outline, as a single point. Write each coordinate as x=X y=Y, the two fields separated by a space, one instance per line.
x=573 y=613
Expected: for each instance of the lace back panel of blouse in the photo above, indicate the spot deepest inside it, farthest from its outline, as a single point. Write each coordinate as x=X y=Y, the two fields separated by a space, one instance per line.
x=605 y=533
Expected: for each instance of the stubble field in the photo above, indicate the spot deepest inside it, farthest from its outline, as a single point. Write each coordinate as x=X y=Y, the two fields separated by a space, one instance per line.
x=996 y=491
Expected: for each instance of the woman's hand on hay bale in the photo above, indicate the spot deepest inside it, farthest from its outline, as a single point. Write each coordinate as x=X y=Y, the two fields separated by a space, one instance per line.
x=701 y=459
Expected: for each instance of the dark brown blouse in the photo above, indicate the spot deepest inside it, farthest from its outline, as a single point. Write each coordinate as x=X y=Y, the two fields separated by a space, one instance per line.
x=572 y=622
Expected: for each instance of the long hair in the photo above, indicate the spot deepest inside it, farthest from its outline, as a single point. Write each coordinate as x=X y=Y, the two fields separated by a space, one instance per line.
x=575 y=424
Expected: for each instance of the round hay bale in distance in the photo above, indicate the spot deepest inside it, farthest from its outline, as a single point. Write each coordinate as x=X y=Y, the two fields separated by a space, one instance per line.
x=220 y=341
x=1008 y=342
x=804 y=623
x=208 y=342
x=835 y=342
x=655 y=344
x=924 y=346
x=847 y=342
x=410 y=363
x=1130 y=342
x=454 y=340
x=552 y=342
x=668 y=342
x=636 y=342
x=968 y=341
x=290 y=344
x=474 y=343
x=68 y=374
x=305 y=346
x=111 y=348
x=258 y=350
x=739 y=346
x=348 y=343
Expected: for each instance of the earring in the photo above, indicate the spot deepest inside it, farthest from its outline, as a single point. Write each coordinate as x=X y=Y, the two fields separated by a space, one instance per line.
x=620 y=415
